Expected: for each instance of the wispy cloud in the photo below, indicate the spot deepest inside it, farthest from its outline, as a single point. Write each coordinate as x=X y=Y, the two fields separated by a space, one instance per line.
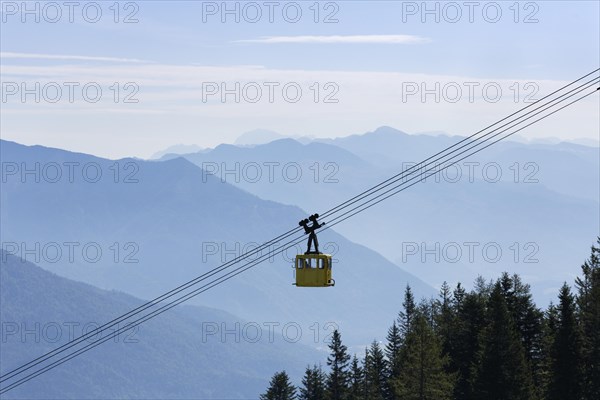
x=5 y=55
x=337 y=39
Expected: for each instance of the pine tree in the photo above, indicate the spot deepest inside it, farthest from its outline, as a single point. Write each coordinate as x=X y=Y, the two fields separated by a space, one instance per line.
x=338 y=360
x=393 y=355
x=280 y=388
x=375 y=373
x=458 y=296
x=446 y=320
x=504 y=373
x=313 y=384
x=357 y=384
x=470 y=323
x=423 y=375
x=588 y=300
x=406 y=315
x=528 y=322
x=550 y=326
x=483 y=288
x=365 y=389
x=565 y=381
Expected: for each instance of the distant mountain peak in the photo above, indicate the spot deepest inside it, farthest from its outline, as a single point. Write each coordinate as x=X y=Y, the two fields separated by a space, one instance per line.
x=177 y=149
x=285 y=142
x=387 y=130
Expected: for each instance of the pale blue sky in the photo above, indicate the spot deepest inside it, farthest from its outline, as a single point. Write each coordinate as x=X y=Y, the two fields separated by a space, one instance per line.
x=369 y=53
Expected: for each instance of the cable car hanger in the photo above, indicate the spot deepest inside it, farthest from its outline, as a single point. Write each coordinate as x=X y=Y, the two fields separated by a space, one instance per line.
x=306 y=274
x=310 y=231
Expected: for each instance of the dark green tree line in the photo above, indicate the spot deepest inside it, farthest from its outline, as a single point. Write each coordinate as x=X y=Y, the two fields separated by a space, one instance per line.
x=490 y=343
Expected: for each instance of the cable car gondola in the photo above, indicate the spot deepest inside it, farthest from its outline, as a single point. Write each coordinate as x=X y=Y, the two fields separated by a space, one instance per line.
x=313 y=268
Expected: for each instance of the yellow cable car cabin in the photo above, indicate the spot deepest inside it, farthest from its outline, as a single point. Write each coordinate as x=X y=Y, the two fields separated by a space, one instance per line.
x=313 y=270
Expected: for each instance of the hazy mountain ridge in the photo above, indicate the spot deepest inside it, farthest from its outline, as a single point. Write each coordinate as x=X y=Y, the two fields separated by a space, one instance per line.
x=170 y=356
x=172 y=209
x=176 y=149
x=175 y=213
x=528 y=199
